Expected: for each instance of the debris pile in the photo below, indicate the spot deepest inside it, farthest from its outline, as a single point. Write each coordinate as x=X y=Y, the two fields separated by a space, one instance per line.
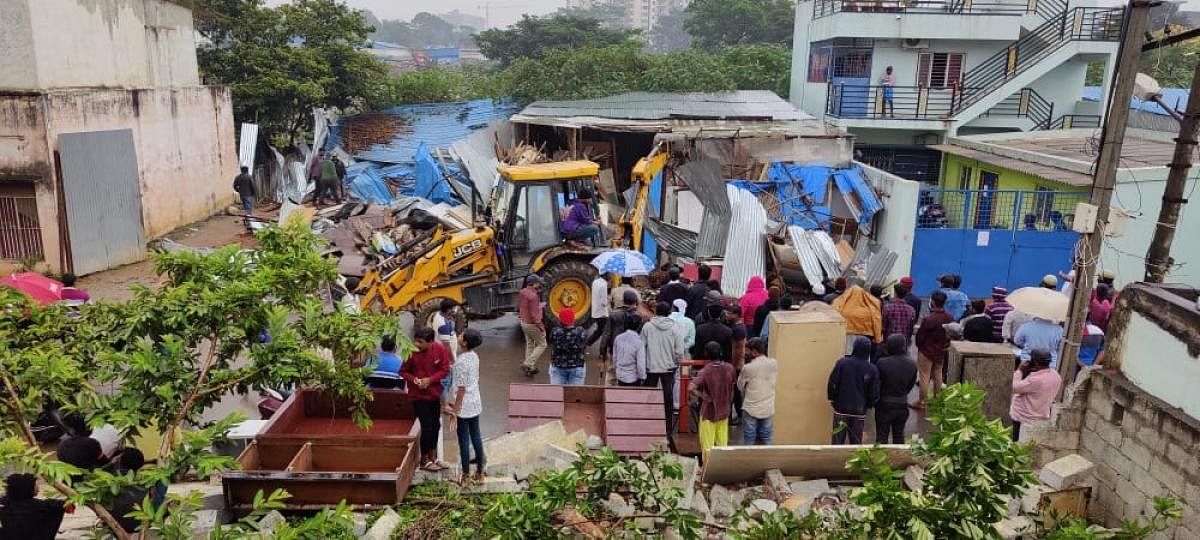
x=390 y=235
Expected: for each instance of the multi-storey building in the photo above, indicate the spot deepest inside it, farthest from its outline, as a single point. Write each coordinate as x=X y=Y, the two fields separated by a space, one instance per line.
x=960 y=67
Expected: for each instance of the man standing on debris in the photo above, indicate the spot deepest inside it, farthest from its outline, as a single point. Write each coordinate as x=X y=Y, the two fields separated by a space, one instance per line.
x=327 y=181
x=897 y=376
x=529 y=308
x=757 y=385
x=664 y=350
x=243 y=184
x=853 y=388
x=423 y=372
x=714 y=386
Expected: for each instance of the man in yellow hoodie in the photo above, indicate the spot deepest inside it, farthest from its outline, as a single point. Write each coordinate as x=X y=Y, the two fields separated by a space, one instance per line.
x=863 y=315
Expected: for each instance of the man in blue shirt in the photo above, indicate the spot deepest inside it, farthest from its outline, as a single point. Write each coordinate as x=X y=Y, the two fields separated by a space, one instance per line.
x=956 y=300
x=1039 y=334
x=385 y=371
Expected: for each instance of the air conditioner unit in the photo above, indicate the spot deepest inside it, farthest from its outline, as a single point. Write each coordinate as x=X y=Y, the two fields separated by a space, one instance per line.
x=912 y=43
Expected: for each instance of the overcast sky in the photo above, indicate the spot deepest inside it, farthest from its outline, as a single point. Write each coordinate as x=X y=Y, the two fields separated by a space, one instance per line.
x=499 y=12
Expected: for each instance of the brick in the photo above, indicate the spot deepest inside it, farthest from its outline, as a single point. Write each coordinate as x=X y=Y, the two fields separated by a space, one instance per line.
x=1148 y=485
x=721 y=501
x=811 y=488
x=800 y=505
x=1065 y=472
x=1130 y=424
x=1109 y=432
x=1170 y=477
x=1153 y=438
x=1091 y=443
x=1180 y=432
x=1105 y=475
x=1115 y=459
x=1136 y=452
x=777 y=485
x=1090 y=419
x=1129 y=493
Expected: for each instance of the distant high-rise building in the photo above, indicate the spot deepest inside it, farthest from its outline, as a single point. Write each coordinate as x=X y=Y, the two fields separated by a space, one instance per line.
x=639 y=14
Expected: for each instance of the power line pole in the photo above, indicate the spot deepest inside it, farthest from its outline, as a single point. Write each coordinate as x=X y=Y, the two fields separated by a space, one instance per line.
x=1137 y=13
x=1158 y=256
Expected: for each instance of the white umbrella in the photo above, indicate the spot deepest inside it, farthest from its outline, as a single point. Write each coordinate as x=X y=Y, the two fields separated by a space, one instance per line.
x=624 y=262
x=1040 y=302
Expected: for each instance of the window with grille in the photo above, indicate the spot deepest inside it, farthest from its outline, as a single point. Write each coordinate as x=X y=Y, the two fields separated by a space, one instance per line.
x=852 y=63
x=964 y=177
x=939 y=70
x=818 y=65
x=20 y=232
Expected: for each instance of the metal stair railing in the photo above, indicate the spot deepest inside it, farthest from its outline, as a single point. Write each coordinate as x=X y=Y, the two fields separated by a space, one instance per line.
x=1078 y=24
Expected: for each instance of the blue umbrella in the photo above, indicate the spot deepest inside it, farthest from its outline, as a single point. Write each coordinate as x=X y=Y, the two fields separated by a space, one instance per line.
x=624 y=262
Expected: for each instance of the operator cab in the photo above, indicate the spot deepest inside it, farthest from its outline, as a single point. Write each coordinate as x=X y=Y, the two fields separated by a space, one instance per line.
x=529 y=205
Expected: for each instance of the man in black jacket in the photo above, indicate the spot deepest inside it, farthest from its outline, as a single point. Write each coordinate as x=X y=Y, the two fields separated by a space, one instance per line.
x=897 y=375
x=674 y=289
x=853 y=388
x=27 y=518
x=713 y=330
x=243 y=184
x=697 y=293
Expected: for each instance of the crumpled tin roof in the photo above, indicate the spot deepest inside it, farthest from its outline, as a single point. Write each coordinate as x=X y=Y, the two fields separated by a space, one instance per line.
x=438 y=125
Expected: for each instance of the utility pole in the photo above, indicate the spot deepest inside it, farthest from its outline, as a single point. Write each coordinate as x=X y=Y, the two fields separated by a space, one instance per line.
x=1158 y=256
x=1137 y=13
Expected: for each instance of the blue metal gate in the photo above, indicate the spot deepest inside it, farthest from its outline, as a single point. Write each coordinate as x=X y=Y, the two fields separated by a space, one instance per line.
x=992 y=237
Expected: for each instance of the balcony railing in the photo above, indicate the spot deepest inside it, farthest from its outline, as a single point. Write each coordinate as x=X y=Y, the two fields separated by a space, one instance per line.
x=1025 y=104
x=871 y=102
x=825 y=8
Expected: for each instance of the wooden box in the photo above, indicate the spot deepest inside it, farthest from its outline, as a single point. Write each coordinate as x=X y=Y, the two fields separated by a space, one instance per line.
x=309 y=414
x=629 y=419
x=807 y=343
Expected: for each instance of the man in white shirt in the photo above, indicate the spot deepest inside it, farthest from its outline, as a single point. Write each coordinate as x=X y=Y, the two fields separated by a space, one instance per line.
x=757 y=384
x=600 y=306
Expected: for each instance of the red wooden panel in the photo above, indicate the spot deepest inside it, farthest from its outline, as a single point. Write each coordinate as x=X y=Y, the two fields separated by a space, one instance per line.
x=633 y=395
x=535 y=392
x=522 y=424
x=544 y=409
x=636 y=411
x=626 y=444
x=635 y=427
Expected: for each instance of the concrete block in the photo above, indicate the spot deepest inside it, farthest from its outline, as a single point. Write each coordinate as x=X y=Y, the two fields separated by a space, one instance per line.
x=616 y=505
x=1012 y=504
x=519 y=447
x=554 y=451
x=811 y=488
x=495 y=485
x=269 y=522
x=1013 y=528
x=206 y=521
x=699 y=506
x=1065 y=472
x=914 y=478
x=777 y=485
x=384 y=526
x=1148 y=485
x=800 y=505
x=743 y=496
x=499 y=470
x=721 y=502
x=1137 y=453
x=758 y=507
x=422 y=476
x=1109 y=432
x=1153 y=439
x=1171 y=478
x=358 y=522
x=690 y=469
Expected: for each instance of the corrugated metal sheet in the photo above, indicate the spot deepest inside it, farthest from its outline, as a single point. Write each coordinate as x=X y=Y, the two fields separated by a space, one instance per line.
x=1065 y=176
x=816 y=246
x=879 y=265
x=103 y=199
x=703 y=177
x=740 y=105
x=672 y=239
x=478 y=155
x=714 y=231
x=810 y=263
x=246 y=144
x=436 y=124
x=744 y=250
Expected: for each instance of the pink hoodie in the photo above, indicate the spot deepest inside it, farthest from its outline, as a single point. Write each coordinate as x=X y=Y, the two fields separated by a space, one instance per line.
x=756 y=295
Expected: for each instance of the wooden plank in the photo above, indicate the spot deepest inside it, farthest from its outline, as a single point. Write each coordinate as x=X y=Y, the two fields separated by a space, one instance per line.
x=522 y=424
x=730 y=464
x=635 y=427
x=628 y=444
x=633 y=395
x=540 y=409
x=1066 y=503
x=303 y=460
x=636 y=411
x=535 y=392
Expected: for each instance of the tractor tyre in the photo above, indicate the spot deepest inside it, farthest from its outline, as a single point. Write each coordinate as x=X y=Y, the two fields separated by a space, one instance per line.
x=568 y=284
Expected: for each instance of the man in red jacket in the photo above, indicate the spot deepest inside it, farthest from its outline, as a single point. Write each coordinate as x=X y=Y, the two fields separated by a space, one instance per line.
x=932 y=343
x=424 y=371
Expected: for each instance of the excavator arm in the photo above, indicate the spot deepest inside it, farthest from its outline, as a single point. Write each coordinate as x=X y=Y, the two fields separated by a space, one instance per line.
x=644 y=172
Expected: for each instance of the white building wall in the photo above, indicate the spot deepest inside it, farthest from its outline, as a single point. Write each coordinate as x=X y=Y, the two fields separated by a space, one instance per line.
x=1140 y=192
x=896 y=223
x=96 y=43
x=1160 y=364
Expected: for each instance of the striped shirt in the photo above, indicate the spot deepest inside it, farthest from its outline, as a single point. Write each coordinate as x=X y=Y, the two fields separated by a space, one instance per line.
x=996 y=311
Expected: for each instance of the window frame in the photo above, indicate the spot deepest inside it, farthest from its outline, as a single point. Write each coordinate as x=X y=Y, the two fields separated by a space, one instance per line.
x=927 y=62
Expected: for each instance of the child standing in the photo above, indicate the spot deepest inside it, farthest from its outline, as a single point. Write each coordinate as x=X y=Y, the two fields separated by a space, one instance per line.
x=714 y=386
x=467 y=403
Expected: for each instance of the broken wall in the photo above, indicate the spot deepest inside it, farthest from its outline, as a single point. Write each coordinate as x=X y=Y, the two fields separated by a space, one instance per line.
x=184 y=138
x=894 y=226
x=96 y=43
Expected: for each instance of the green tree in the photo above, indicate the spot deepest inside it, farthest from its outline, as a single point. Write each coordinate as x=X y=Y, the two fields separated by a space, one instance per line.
x=669 y=34
x=533 y=37
x=230 y=321
x=436 y=85
x=716 y=24
x=567 y=73
x=610 y=13
x=281 y=62
x=1172 y=66
x=689 y=70
x=762 y=66
x=425 y=30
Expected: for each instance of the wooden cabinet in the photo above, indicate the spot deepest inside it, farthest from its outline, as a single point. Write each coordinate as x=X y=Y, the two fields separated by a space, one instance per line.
x=806 y=343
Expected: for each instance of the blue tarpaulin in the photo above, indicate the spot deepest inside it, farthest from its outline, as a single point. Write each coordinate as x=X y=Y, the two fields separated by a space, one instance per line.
x=1175 y=97
x=802 y=191
x=429 y=182
x=368 y=186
